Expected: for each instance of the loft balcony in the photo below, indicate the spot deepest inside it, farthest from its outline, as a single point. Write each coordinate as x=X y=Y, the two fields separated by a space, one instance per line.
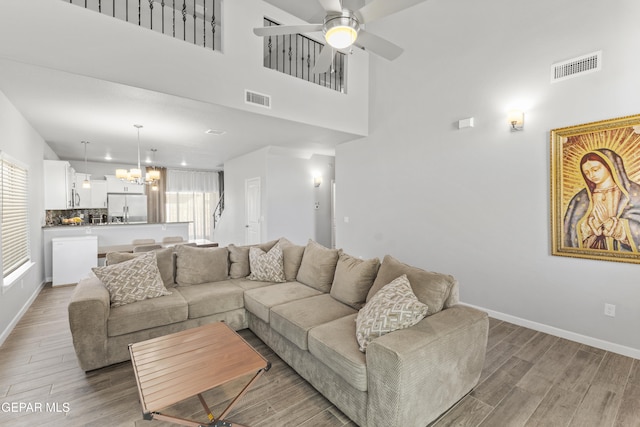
x=192 y=21
x=198 y=22
x=56 y=36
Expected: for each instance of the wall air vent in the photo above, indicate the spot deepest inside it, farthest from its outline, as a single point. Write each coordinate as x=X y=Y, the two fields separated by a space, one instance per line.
x=576 y=67
x=256 y=98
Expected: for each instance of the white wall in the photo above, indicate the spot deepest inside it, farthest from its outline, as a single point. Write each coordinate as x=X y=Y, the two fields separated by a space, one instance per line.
x=20 y=141
x=287 y=197
x=475 y=202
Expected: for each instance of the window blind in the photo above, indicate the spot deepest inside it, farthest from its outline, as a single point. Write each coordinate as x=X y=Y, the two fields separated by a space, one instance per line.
x=15 y=229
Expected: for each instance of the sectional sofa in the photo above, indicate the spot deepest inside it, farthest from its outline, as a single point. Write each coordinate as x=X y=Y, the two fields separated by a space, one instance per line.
x=310 y=312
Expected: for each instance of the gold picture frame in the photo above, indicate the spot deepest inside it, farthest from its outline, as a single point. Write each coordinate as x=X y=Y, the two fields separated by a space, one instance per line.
x=595 y=190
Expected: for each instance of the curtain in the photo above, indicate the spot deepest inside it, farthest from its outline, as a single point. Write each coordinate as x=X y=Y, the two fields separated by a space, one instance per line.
x=181 y=181
x=156 y=200
x=192 y=196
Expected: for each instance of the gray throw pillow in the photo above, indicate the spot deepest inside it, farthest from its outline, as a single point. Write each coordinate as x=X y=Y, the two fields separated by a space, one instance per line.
x=432 y=289
x=394 y=307
x=353 y=279
x=239 y=258
x=195 y=266
x=266 y=266
x=134 y=280
x=164 y=257
x=318 y=266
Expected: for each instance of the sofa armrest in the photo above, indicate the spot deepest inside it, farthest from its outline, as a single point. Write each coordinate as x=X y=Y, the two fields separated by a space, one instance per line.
x=88 y=313
x=416 y=374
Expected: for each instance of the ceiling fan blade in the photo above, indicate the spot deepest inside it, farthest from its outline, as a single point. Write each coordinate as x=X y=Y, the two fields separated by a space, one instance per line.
x=378 y=45
x=331 y=5
x=323 y=62
x=278 y=30
x=381 y=8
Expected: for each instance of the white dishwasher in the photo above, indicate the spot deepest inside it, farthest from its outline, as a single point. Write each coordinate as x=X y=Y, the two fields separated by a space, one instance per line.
x=73 y=258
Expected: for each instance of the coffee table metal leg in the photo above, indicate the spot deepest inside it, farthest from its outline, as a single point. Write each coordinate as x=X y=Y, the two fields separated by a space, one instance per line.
x=243 y=392
x=220 y=422
x=206 y=408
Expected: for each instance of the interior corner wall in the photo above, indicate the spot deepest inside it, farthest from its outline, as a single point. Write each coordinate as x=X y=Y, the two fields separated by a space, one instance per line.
x=22 y=143
x=231 y=228
x=475 y=202
x=296 y=209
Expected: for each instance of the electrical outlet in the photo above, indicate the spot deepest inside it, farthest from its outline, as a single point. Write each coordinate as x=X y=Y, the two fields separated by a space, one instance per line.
x=610 y=310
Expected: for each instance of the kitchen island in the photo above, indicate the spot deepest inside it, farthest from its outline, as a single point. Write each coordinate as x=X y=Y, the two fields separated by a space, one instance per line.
x=111 y=235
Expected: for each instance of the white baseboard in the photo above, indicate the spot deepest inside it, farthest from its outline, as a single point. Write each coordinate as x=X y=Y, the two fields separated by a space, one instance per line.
x=572 y=336
x=23 y=310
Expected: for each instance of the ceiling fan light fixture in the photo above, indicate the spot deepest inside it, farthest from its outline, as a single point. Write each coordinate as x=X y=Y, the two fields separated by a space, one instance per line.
x=341 y=31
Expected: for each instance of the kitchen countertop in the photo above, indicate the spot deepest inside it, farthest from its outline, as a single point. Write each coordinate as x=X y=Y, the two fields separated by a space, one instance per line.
x=111 y=224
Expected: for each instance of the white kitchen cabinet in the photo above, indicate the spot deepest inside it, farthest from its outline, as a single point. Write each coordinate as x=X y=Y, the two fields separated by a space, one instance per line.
x=115 y=185
x=99 y=194
x=59 y=185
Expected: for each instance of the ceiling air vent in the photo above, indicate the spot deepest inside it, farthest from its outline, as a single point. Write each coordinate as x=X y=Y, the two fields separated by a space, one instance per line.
x=256 y=98
x=576 y=67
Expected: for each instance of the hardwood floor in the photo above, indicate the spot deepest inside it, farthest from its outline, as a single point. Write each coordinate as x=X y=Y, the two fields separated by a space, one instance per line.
x=529 y=379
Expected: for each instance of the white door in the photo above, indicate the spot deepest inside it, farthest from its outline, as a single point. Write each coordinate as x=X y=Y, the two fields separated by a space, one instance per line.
x=253 y=213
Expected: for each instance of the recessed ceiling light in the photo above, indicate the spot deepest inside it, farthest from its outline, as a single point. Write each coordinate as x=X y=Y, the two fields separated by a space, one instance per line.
x=183 y=163
x=215 y=132
x=107 y=157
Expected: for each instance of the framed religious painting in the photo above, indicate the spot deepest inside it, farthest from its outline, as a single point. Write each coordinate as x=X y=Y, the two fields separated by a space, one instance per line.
x=595 y=190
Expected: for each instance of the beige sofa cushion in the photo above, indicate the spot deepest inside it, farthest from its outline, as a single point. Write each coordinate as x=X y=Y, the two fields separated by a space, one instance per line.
x=164 y=257
x=392 y=308
x=212 y=298
x=334 y=343
x=260 y=301
x=294 y=319
x=134 y=280
x=432 y=289
x=146 y=314
x=318 y=266
x=292 y=254
x=195 y=266
x=353 y=279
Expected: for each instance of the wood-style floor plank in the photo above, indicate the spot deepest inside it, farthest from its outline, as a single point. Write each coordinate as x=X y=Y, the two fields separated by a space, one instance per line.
x=529 y=379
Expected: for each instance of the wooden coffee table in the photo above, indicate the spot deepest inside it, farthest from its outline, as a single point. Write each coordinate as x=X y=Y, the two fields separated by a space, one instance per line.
x=174 y=367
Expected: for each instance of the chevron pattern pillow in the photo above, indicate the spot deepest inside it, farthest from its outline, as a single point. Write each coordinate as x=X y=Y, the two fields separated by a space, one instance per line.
x=266 y=266
x=133 y=280
x=393 y=307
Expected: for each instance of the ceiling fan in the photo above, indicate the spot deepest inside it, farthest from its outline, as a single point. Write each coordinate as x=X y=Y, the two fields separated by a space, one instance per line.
x=342 y=28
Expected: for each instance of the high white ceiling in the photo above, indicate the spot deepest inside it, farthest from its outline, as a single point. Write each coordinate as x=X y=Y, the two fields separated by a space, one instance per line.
x=67 y=108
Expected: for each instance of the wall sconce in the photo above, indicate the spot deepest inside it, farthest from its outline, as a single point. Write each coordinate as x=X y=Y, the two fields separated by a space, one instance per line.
x=516 y=120
x=317 y=180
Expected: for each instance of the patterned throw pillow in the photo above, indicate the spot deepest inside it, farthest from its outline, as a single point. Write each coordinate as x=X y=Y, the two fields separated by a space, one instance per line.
x=133 y=280
x=393 y=307
x=266 y=266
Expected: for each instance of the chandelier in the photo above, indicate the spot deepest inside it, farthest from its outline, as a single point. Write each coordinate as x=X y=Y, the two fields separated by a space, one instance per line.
x=134 y=175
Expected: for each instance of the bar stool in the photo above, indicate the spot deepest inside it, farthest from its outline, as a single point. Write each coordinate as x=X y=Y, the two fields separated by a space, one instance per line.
x=143 y=242
x=146 y=248
x=173 y=239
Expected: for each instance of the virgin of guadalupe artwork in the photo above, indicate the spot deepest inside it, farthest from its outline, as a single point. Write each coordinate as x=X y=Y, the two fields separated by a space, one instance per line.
x=596 y=190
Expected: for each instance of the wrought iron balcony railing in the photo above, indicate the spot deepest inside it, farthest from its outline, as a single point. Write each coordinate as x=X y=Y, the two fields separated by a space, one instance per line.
x=194 y=21
x=296 y=55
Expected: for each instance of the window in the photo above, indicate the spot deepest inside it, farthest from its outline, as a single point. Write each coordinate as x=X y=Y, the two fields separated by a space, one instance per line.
x=15 y=222
x=192 y=197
